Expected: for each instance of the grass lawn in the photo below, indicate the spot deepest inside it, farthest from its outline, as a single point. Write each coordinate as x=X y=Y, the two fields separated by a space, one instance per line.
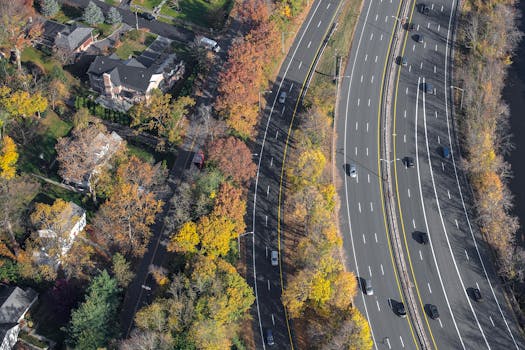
x=49 y=130
x=149 y=4
x=205 y=14
x=67 y=13
x=133 y=43
x=45 y=62
x=141 y=153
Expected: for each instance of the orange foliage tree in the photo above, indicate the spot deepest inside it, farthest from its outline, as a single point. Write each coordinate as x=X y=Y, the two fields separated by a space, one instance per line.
x=233 y=158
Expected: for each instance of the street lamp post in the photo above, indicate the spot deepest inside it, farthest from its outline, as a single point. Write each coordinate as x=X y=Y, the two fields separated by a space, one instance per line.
x=460 y=89
x=263 y=92
x=239 y=240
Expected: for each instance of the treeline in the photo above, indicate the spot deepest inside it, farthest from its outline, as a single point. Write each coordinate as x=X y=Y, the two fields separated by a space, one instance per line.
x=489 y=35
x=320 y=292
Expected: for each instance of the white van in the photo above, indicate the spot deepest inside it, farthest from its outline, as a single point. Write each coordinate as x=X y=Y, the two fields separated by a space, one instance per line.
x=209 y=44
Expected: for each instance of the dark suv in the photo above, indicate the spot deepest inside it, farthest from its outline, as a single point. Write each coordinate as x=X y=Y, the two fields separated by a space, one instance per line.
x=424 y=9
x=147 y=15
x=409 y=162
x=401 y=311
x=433 y=311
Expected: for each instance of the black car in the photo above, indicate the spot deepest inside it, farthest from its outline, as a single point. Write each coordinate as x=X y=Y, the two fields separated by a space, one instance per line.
x=423 y=237
x=147 y=15
x=476 y=294
x=424 y=9
x=429 y=88
x=419 y=38
x=400 y=310
x=402 y=60
x=409 y=26
x=433 y=311
x=409 y=162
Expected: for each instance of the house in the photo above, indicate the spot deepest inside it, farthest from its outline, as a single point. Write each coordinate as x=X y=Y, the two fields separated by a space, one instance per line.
x=58 y=237
x=93 y=148
x=70 y=39
x=15 y=303
x=122 y=83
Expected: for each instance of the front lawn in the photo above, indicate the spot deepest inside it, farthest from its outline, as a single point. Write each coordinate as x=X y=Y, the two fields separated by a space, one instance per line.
x=149 y=4
x=133 y=43
x=207 y=14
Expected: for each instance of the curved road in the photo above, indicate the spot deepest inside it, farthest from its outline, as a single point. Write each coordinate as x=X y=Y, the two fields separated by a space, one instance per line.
x=265 y=206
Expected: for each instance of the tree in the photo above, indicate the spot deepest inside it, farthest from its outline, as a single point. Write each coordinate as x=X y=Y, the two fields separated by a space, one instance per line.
x=49 y=8
x=93 y=14
x=230 y=203
x=233 y=158
x=21 y=103
x=186 y=240
x=17 y=29
x=122 y=270
x=93 y=324
x=306 y=168
x=215 y=235
x=8 y=158
x=123 y=221
x=162 y=114
x=114 y=17
x=58 y=91
x=81 y=118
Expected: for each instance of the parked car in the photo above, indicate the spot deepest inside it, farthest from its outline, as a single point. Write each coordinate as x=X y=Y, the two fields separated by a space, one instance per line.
x=147 y=15
x=275 y=258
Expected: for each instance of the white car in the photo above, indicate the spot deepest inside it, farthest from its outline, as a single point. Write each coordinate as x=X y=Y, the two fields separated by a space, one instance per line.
x=275 y=258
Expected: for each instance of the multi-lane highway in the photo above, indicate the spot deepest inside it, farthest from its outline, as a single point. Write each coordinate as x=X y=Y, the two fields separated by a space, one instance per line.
x=267 y=193
x=432 y=197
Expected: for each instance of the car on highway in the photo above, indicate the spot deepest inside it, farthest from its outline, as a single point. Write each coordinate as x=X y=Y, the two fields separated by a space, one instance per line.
x=424 y=9
x=147 y=15
x=282 y=97
x=476 y=295
x=368 y=287
x=402 y=60
x=419 y=38
x=433 y=311
x=275 y=258
x=423 y=237
x=445 y=152
x=269 y=337
x=409 y=26
x=409 y=162
x=352 y=171
x=429 y=88
x=400 y=310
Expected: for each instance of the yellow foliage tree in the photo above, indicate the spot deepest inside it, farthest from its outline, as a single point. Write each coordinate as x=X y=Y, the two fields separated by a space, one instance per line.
x=8 y=158
x=361 y=338
x=22 y=104
x=215 y=234
x=186 y=240
x=320 y=289
x=307 y=168
x=344 y=289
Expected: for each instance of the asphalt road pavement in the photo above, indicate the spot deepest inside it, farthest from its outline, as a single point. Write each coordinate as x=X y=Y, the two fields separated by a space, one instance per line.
x=267 y=193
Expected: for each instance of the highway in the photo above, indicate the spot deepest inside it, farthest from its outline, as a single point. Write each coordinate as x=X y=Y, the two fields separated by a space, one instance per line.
x=362 y=219
x=266 y=195
x=433 y=197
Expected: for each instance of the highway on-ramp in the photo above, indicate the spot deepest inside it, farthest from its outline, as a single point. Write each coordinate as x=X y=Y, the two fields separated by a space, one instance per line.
x=265 y=206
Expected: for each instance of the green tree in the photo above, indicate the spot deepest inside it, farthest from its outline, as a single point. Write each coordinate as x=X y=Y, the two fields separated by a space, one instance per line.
x=93 y=14
x=94 y=323
x=114 y=16
x=49 y=7
x=122 y=270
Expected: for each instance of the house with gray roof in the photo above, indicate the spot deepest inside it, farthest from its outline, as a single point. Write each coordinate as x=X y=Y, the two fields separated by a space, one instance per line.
x=71 y=39
x=122 y=83
x=14 y=304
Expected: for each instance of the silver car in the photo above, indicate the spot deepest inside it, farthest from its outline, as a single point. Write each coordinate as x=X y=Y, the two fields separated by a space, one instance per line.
x=275 y=258
x=353 y=170
x=282 y=97
x=368 y=288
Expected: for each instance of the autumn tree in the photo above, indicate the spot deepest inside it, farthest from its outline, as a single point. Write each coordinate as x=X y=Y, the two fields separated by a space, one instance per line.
x=123 y=221
x=215 y=235
x=20 y=103
x=17 y=28
x=306 y=167
x=230 y=203
x=233 y=158
x=185 y=240
x=8 y=158
x=162 y=114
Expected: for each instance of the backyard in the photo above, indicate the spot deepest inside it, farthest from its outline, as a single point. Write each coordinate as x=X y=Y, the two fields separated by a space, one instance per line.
x=133 y=43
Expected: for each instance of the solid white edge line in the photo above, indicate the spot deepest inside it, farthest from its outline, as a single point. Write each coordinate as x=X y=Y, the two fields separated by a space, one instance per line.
x=426 y=221
x=459 y=186
x=258 y=171
x=444 y=226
